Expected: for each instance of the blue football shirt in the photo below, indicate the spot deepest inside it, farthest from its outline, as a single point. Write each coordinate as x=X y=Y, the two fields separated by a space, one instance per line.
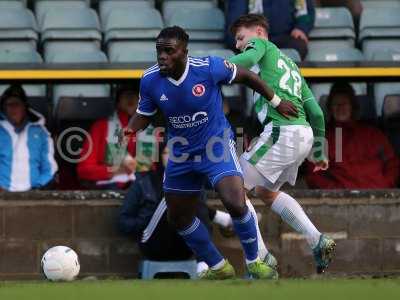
x=192 y=105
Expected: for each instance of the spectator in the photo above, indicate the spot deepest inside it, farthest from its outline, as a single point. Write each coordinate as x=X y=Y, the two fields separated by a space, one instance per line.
x=363 y=158
x=290 y=21
x=143 y=215
x=110 y=165
x=27 y=149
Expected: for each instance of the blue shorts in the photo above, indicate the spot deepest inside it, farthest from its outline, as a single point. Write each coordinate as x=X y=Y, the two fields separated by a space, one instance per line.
x=188 y=176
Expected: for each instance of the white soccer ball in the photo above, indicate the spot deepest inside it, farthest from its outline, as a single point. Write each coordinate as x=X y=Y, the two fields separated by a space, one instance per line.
x=60 y=263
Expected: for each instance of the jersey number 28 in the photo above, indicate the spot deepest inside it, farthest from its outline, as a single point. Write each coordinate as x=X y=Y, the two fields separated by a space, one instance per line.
x=291 y=79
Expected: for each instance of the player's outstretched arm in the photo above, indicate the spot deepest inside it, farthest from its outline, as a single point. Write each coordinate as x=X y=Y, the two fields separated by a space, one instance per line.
x=137 y=122
x=253 y=81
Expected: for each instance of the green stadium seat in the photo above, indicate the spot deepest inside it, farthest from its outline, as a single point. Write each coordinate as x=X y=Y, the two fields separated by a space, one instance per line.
x=334 y=55
x=41 y=7
x=81 y=101
x=371 y=47
x=127 y=49
x=70 y=25
x=333 y=23
x=20 y=57
x=333 y=44
x=201 y=24
x=106 y=6
x=18 y=24
x=18 y=46
x=134 y=56
x=51 y=48
x=169 y=7
x=12 y=4
x=379 y=23
x=387 y=55
x=293 y=54
x=143 y=24
x=377 y=4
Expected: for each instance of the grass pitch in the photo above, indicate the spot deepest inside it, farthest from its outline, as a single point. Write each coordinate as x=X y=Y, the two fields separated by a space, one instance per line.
x=335 y=289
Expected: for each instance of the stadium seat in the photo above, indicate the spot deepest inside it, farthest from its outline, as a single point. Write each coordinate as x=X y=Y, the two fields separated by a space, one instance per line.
x=126 y=50
x=51 y=48
x=333 y=55
x=371 y=47
x=71 y=24
x=381 y=90
x=293 y=54
x=332 y=44
x=106 y=6
x=12 y=4
x=148 y=269
x=133 y=56
x=143 y=24
x=18 y=24
x=387 y=55
x=17 y=46
x=379 y=23
x=333 y=23
x=391 y=120
x=81 y=101
x=201 y=24
x=43 y=6
x=169 y=7
x=377 y=4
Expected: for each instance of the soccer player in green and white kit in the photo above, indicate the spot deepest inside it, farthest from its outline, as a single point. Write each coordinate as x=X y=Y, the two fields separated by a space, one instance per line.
x=285 y=142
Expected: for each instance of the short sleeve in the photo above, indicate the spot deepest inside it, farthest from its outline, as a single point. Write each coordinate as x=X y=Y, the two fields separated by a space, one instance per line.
x=146 y=105
x=222 y=71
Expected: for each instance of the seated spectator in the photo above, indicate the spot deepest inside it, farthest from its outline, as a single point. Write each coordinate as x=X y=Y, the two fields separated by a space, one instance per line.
x=27 y=149
x=362 y=158
x=143 y=216
x=111 y=165
x=290 y=21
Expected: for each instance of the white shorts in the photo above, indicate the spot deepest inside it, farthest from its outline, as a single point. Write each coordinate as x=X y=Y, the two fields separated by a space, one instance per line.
x=275 y=157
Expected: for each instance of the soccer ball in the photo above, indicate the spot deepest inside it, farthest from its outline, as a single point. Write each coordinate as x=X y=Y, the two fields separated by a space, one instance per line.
x=60 y=263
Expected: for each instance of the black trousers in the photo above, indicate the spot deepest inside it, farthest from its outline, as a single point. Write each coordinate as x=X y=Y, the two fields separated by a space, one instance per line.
x=166 y=244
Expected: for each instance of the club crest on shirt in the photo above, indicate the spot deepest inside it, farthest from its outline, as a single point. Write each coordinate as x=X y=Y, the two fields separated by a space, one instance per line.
x=198 y=90
x=229 y=65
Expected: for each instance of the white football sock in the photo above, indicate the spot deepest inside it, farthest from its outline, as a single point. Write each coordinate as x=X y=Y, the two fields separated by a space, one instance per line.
x=292 y=213
x=262 y=249
x=222 y=218
x=201 y=267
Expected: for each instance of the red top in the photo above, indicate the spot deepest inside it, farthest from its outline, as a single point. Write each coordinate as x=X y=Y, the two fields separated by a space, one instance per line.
x=93 y=167
x=368 y=160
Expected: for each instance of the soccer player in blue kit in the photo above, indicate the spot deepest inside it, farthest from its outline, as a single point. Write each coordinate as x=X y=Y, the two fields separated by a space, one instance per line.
x=188 y=93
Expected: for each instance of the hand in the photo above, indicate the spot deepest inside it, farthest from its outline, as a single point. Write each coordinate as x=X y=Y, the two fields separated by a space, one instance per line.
x=129 y=164
x=321 y=165
x=124 y=135
x=287 y=109
x=299 y=34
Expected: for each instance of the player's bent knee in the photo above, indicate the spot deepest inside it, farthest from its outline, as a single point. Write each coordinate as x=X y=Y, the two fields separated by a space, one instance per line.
x=267 y=196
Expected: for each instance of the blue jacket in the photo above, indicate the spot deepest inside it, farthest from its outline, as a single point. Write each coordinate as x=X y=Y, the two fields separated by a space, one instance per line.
x=26 y=155
x=283 y=16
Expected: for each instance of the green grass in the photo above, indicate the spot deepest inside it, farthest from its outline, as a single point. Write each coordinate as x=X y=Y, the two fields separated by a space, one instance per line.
x=337 y=289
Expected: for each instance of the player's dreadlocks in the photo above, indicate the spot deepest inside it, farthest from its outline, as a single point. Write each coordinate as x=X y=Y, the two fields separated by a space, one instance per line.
x=174 y=32
x=250 y=20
